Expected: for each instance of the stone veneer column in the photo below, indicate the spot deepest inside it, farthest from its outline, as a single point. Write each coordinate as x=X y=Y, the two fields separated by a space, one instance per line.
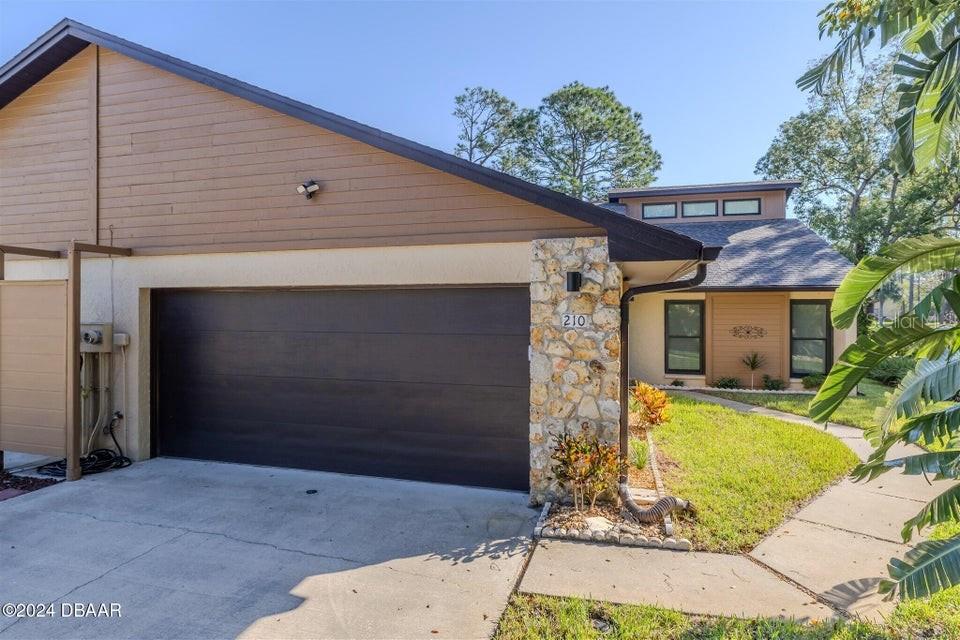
x=574 y=373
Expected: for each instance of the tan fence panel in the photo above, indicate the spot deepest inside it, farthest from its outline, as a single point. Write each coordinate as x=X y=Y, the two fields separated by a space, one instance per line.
x=33 y=366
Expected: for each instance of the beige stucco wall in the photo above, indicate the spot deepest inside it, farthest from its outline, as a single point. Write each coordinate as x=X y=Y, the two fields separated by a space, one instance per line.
x=126 y=300
x=646 y=357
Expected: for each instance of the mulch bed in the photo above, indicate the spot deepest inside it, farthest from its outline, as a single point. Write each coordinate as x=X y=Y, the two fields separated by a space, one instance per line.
x=12 y=485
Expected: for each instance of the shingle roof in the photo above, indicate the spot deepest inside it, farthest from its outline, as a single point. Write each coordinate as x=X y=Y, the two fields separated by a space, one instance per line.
x=767 y=254
x=629 y=239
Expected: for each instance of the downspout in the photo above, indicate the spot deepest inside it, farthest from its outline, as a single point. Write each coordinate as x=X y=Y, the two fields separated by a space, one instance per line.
x=668 y=503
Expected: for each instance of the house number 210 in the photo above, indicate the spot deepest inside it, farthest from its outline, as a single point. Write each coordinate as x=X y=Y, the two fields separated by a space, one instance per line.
x=573 y=321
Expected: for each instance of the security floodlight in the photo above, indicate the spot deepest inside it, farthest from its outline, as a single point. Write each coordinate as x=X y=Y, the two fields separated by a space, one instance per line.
x=308 y=188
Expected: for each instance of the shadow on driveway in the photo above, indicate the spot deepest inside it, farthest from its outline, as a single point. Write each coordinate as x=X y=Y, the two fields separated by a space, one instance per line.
x=210 y=550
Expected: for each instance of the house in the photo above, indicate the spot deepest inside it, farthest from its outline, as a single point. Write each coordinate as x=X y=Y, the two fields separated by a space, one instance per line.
x=302 y=290
x=768 y=292
x=269 y=283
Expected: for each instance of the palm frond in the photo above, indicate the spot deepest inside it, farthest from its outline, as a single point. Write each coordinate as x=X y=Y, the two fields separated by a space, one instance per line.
x=946 y=294
x=925 y=253
x=924 y=126
x=908 y=332
x=940 y=464
x=889 y=19
x=944 y=508
x=929 y=567
x=933 y=426
x=930 y=381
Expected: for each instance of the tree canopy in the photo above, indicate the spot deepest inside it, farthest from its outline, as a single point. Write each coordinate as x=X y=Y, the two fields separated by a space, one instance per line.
x=580 y=140
x=927 y=34
x=851 y=193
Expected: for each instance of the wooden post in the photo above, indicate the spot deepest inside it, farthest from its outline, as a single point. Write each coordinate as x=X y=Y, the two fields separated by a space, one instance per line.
x=74 y=419
x=2 y=265
x=74 y=430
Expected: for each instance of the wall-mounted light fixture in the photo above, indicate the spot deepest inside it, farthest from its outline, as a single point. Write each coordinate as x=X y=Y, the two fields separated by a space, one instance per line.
x=574 y=280
x=308 y=188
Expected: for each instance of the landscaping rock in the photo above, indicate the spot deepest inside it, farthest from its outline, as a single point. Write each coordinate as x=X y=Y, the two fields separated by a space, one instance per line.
x=598 y=523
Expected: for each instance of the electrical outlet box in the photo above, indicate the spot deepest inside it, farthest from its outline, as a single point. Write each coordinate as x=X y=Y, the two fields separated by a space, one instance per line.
x=96 y=338
x=121 y=339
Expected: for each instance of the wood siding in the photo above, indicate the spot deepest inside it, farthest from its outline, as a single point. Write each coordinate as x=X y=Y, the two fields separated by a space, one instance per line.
x=184 y=168
x=769 y=312
x=33 y=325
x=773 y=205
x=45 y=157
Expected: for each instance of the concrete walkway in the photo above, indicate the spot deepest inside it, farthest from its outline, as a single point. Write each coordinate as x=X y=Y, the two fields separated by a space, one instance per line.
x=693 y=582
x=832 y=552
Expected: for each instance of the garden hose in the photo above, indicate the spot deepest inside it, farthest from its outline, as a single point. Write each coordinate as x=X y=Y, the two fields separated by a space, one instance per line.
x=660 y=508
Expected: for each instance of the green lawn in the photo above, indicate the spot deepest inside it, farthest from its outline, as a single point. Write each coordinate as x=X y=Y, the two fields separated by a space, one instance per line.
x=744 y=473
x=543 y=617
x=858 y=411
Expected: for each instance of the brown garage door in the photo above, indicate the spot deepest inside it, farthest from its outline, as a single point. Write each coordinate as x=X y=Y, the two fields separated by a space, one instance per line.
x=426 y=384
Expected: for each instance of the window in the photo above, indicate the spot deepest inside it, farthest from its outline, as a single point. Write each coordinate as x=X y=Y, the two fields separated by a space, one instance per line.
x=697 y=209
x=660 y=210
x=811 y=341
x=749 y=207
x=684 y=336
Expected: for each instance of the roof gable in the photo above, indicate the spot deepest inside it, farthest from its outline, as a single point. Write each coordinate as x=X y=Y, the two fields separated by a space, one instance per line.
x=629 y=240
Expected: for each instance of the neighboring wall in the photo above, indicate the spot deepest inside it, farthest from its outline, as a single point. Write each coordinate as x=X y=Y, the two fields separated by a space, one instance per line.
x=771 y=311
x=33 y=367
x=773 y=204
x=47 y=159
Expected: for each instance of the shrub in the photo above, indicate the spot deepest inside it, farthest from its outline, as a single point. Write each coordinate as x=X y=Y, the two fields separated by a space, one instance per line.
x=677 y=383
x=651 y=404
x=638 y=453
x=813 y=381
x=891 y=371
x=727 y=382
x=773 y=384
x=586 y=466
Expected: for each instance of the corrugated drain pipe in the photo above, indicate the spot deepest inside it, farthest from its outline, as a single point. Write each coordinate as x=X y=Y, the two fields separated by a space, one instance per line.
x=667 y=503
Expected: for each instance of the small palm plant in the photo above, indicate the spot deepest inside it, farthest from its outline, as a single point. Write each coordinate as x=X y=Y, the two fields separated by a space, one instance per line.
x=753 y=361
x=922 y=410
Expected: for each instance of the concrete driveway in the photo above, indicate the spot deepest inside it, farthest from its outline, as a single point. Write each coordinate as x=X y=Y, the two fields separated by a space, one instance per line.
x=206 y=550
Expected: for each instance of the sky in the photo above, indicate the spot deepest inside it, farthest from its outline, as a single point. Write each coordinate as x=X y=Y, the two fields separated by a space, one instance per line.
x=713 y=80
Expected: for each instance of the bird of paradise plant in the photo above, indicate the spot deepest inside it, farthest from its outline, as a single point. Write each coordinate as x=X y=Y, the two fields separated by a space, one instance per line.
x=922 y=410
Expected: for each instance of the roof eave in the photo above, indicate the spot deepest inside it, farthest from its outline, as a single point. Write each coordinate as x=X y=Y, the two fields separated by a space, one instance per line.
x=630 y=240
x=787 y=186
x=747 y=287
